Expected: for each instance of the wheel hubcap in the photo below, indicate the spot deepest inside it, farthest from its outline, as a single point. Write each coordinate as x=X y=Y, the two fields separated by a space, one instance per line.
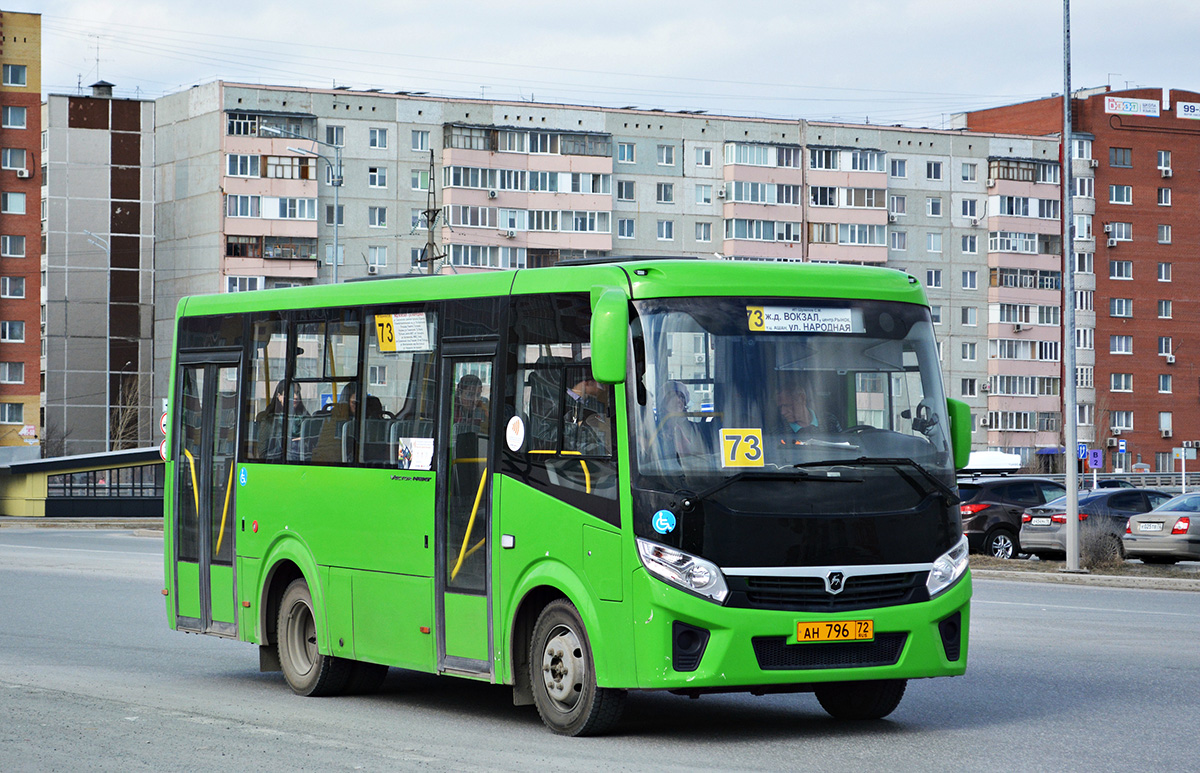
x=302 y=639
x=563 y=668
x=1002 y=546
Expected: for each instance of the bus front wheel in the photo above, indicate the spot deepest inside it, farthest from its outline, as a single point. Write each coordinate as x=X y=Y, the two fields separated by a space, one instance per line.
x=861 y=700
x=563 y=676
x=307 y=671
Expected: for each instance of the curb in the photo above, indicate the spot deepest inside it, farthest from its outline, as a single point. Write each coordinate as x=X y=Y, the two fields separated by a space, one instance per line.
x=1095 y=580
x=148 y=525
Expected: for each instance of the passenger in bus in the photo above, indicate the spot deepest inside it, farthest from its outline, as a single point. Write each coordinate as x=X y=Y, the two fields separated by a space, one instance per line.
x=338 y=433
x=678 y=436
x=270 y=421
x=587 y=426
x=470 y=406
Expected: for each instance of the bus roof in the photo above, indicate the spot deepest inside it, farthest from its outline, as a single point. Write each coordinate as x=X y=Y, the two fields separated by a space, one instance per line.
x=640 y=277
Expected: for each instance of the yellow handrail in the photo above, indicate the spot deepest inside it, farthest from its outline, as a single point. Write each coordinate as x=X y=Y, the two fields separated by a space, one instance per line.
x=195 y=485
x=462 y=551
x=225 y=512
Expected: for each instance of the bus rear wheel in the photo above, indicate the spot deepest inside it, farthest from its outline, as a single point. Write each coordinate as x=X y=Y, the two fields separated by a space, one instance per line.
x=307 y=671
x=563 y=676
x=861 y=700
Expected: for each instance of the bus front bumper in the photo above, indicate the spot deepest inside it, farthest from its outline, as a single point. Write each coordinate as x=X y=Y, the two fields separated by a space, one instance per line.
x=684 y=642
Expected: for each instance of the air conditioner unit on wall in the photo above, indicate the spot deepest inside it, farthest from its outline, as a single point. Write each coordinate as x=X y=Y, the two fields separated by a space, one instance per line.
x=1116 y=430
x=1111 y=442
x=372 y=270
x=493 y=193
x=24 y=174
x=1188 y=444
x=1166 y=172
x=991 y=182
x=1166 y=433
x=1170 y=359
x=1093 y=162
x=891 y=218
x=1112 y=242
x=1108 y=228
x=720 y=193
x=984 y=423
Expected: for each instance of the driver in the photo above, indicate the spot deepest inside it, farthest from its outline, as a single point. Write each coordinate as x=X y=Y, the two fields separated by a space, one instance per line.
x=798 y=412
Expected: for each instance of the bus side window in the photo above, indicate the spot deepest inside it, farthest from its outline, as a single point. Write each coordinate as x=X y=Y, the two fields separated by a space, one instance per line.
x=267 y=406
x=325 y=366
x=401 y=370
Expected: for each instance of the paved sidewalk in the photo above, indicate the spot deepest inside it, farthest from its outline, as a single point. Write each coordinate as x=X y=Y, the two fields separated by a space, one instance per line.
x=151 y=524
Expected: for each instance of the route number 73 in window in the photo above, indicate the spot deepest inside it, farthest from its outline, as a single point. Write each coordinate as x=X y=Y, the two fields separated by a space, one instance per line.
x=741 y=448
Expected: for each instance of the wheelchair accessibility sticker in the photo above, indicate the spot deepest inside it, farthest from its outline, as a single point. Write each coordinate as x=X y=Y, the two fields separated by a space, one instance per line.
x=664 y=522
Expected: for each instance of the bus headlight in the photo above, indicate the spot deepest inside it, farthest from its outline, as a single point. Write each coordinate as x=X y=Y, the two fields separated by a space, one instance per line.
x=684 y=570
x=947 y=568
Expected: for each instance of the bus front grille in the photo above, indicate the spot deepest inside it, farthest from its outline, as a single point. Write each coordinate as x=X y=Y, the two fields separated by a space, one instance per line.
x=808 y=594
x=775 y=654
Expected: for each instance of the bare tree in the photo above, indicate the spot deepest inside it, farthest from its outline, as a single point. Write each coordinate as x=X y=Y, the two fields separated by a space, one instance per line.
x=54 y=440
x=124 y=414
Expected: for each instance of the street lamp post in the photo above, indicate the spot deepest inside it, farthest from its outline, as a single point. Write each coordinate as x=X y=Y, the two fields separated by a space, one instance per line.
x=335 y=171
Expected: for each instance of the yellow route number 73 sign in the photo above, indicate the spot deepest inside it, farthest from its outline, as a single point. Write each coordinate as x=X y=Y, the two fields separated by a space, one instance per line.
x=741 y=448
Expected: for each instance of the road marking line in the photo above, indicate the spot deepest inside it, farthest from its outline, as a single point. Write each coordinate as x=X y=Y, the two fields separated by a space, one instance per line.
x=1078 y=609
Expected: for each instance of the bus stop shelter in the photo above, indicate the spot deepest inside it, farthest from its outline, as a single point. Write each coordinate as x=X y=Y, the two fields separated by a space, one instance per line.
x=114 y=484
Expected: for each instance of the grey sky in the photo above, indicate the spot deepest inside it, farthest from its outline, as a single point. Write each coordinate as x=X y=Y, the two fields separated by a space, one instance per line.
x=905 y=61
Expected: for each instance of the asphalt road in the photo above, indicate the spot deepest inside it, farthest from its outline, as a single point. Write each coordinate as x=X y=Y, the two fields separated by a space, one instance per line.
x=1060 y=678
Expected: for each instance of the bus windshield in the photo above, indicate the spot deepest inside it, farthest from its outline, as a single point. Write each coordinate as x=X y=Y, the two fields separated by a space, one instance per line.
x=729 y=385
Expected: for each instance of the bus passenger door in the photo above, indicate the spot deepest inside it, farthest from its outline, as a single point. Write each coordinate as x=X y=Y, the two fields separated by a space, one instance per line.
x=206 y=449
x=464 y=515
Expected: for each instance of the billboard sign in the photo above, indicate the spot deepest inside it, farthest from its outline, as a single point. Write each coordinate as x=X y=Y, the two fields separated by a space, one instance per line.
x=1125 y=106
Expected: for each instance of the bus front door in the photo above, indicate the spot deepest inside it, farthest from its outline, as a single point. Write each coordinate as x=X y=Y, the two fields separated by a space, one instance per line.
x=205 y=452
x=464 y=517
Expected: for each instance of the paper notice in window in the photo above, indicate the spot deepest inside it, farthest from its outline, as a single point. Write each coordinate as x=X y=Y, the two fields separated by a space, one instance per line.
x=402 y=332
x=415 y=453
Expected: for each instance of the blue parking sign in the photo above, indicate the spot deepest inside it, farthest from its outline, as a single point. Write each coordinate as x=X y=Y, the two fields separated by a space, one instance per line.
x=1121 y=445
x=1096 y=459
x=1082 y=450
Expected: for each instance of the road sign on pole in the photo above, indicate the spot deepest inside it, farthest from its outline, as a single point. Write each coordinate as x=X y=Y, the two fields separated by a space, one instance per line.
x=1096 y=459
x=1081 y=450
x=1121 y=445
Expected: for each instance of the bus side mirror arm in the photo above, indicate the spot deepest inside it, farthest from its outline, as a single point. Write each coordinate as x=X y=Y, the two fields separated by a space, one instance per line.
x=610 y=334
x=960 y=431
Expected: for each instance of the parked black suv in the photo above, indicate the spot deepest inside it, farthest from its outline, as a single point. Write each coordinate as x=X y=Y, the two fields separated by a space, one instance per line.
x=991 y=510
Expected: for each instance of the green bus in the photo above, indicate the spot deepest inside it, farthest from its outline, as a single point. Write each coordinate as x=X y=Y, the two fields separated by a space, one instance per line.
x=611 y=475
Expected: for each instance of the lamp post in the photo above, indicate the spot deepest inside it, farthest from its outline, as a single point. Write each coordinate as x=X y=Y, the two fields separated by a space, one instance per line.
x=335 y=173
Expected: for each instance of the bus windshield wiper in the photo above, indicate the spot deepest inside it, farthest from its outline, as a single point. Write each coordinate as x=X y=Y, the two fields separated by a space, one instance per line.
x=881 y=461
x=793 y=474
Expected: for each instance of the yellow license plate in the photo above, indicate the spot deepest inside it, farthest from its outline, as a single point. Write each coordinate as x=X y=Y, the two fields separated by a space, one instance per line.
x=835 y=630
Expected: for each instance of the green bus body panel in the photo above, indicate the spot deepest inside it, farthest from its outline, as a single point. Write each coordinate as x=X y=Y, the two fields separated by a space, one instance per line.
x=288 y=545
x=466 y=626
x=223 y=605
x=729 y=656
x=188 y=591
x=247 y=572
x=602 y=562
x=548 y=552
x=389 y=612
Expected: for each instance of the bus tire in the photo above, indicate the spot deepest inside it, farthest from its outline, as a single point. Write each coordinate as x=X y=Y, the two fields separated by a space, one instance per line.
x=563 y=676
x=861 y=700
x=307 y=671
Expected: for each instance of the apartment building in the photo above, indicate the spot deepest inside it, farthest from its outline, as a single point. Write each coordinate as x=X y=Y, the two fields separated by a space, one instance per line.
x=1137 y=232
x=97 y=263
x=260 y=186
x=20 y=229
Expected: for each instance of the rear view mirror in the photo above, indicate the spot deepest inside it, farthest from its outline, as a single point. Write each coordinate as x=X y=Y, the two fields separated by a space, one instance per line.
x=960 y=431
x=610 y=330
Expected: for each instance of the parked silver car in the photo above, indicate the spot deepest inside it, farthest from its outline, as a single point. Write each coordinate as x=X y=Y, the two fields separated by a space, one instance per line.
x=1166 y=534
x=1102 y=514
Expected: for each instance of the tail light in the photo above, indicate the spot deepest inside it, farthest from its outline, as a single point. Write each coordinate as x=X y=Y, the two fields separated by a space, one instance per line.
x=1129 y=526
x=965 y=510
x=1059 y=518
x=1026 y=517
x=1182 y=525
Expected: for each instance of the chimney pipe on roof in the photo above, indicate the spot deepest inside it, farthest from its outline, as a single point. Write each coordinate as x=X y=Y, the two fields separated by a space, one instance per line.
x=102 y=90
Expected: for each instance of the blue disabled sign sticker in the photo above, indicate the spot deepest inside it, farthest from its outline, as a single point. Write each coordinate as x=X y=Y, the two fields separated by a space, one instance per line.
x=242 y=476
x=664 y=522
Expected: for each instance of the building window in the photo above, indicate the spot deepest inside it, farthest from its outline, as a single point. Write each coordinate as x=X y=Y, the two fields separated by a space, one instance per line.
x=12 y=287
x=970 y=316
x=12 y=331
x=970 y=280
x=1085 y=187
x=1164 y=309
x=1164 y=272
x=933 y=277
x=897 y=205
x=242 y=284
x=935 y=314
x=420 y=139
x=1164 y=197
x=704 y=232
x=377 y=217
x=335 y=135
x=704 y=194
x=418 y=179
x=625 y=228
x=666 y=155
x=377 y=256
x=1164 y=345
x=969 y=208
x=899 y=168
x=703 y=156
x=1122 y=232
x=377 y=177
x=625 y=190
x=1120 y=157
x=1164 y=235
x=1122 y=382
x=933 y=170
x=970 y=245
x=898 y=240
x=12 y=246
x=1120 y=269
x=818 y=195
x=1164 y=159
x=625 y=153
x=1122 y=420
x=241 y=206
x=12 y=413
x=1120 y=194
x=969 y=172
x=1084 y=375
x=1120 y=307
x=1085 y=338
x=1083 y=262
x=822 y=158
x=14 y=75
x=934 y=241
x=968 y=352
x=666 y=230
x=377 y=138
x=1120 y=344
x=1164 y=383
x=665 y=192
x=12 y=203
x=239 y=165
x=969 y=387
x=1081 y=148
x=12 y=117
x=933 y=206
x=341 y=212
x=12 y=373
